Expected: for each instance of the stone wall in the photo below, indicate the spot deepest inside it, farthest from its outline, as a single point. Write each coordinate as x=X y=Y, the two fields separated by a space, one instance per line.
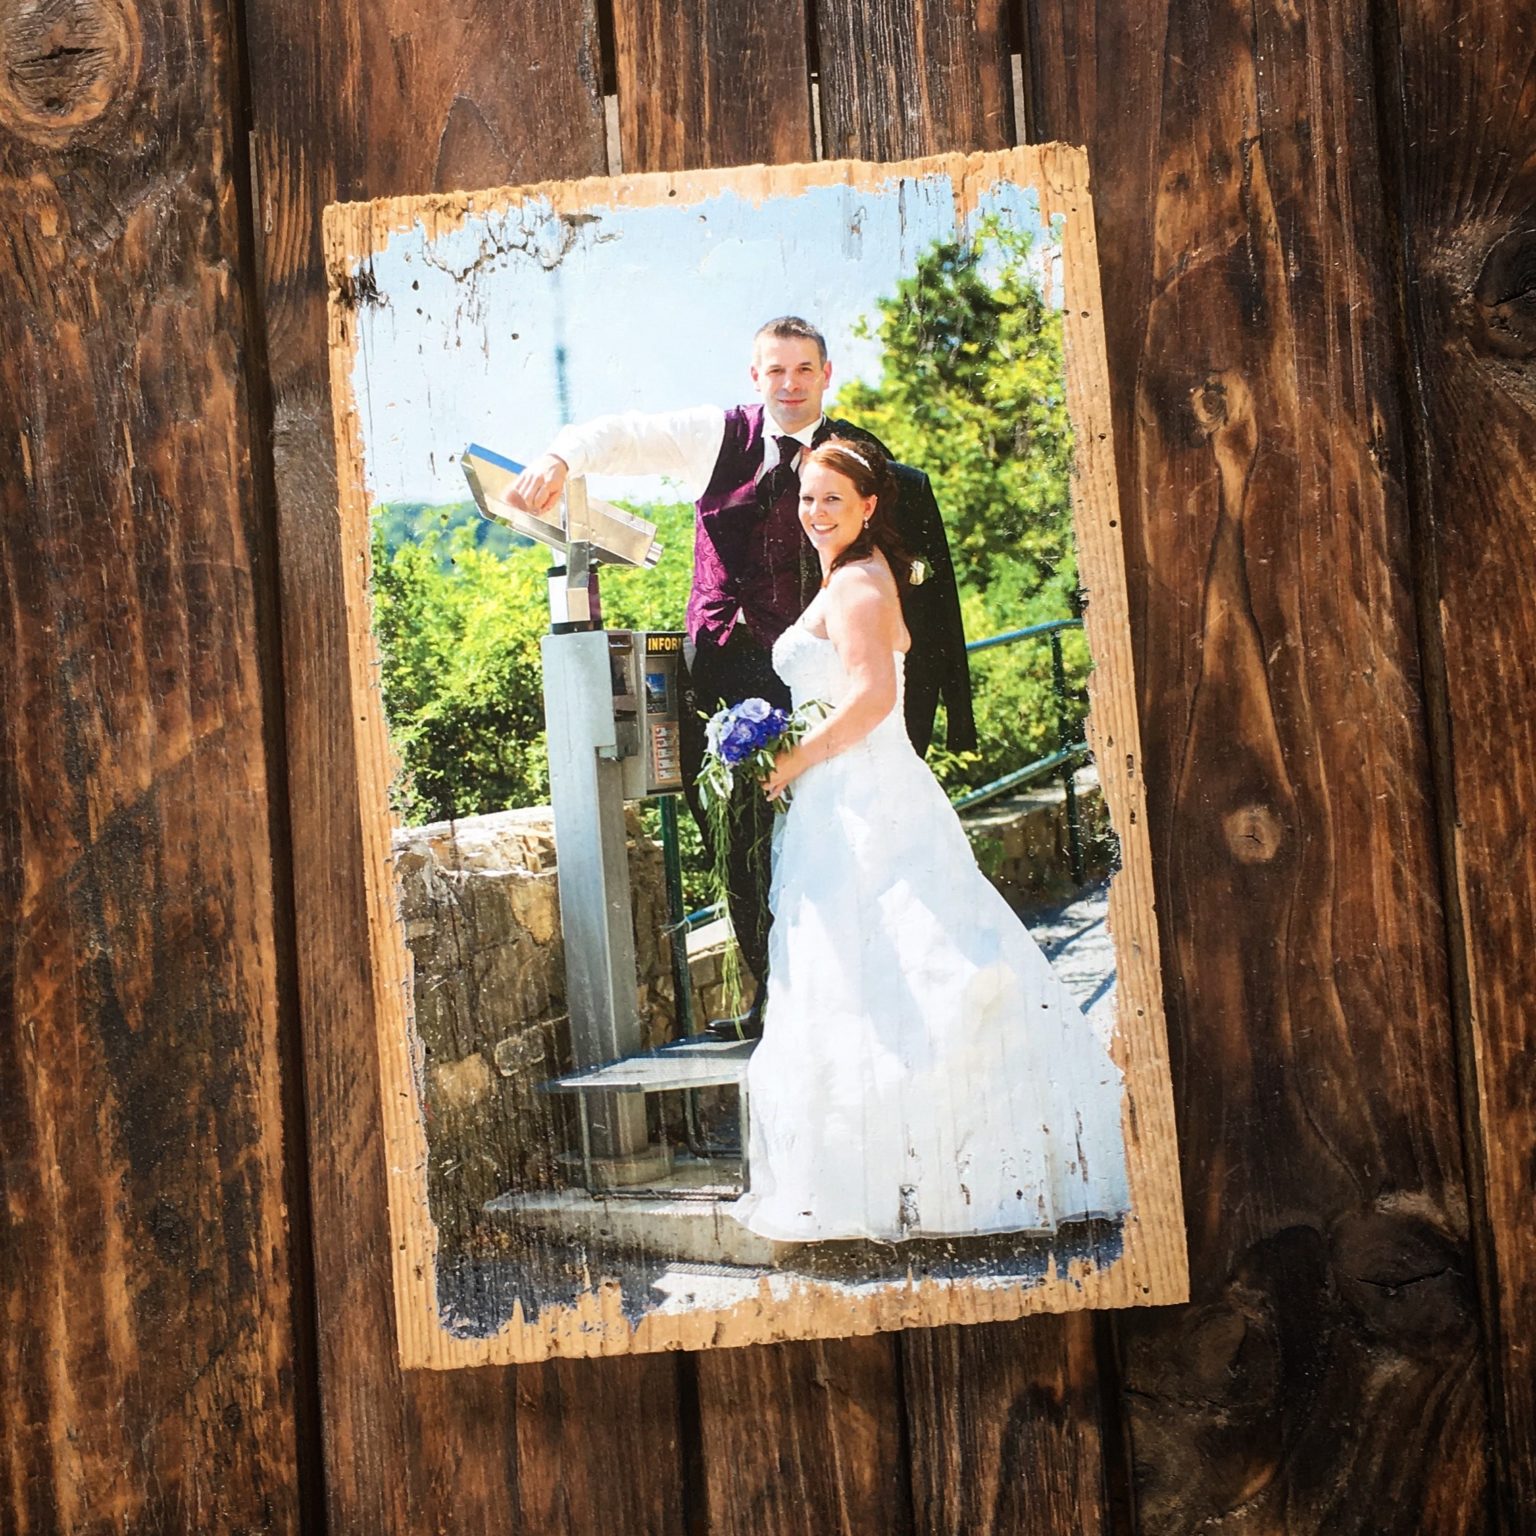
x=1022 y=841
x=480 y=902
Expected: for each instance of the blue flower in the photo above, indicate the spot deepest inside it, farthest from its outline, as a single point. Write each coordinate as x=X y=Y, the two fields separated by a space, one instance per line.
x=734 y=734
x=738 y=741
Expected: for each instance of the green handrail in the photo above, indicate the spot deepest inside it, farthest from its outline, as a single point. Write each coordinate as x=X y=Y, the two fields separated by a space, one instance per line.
x=1066 y=754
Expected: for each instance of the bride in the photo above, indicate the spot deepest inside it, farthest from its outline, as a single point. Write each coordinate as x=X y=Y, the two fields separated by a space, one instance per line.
x=922 y=1071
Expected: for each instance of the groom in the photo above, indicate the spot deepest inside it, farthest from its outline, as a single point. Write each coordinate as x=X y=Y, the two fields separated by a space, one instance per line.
x=754 y=571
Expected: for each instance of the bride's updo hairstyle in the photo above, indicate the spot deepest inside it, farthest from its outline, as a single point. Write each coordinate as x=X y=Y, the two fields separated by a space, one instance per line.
x=863 y=463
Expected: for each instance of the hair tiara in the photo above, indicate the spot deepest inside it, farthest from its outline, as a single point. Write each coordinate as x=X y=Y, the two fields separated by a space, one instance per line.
x=853 y=453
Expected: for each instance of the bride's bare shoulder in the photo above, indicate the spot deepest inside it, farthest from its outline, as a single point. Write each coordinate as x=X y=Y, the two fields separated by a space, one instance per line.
x=862 y=601
x=861 y=579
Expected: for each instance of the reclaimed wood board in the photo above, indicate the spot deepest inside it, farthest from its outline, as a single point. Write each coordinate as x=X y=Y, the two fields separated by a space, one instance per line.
x=1145 y=1264
x=899 y=81
x=352 y=103
x=702 y=83
x=1464 y=141
x=154 y=1372
x=1005 y=1429
x=804 y=1439
x=1255 y=373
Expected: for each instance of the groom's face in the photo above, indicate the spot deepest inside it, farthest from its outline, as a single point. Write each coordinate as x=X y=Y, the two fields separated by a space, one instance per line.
x=791 y=376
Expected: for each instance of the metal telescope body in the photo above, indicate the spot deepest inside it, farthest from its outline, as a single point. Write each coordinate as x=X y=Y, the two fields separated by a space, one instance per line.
x=611 y=709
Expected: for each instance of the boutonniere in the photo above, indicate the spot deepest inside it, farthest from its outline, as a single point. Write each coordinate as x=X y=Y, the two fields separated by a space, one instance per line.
x=918 y=574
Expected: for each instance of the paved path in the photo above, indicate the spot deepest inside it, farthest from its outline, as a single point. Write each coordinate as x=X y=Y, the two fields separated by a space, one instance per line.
x=1076 y=941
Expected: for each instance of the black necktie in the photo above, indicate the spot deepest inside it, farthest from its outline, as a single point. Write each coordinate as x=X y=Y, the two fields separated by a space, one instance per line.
x=781 y=479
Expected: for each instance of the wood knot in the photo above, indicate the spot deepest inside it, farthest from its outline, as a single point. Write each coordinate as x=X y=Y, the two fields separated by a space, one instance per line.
x=1405 y=1277
x=1208 y=400
x=1221 y=399
x=1254 y=833
x=1505 y=295
x=62 y=65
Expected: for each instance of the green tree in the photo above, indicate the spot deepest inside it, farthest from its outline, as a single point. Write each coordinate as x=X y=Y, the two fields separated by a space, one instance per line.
x=458 y=629
x=657 y=598
x=459 y=625
x=972 y=390
x=409 y=522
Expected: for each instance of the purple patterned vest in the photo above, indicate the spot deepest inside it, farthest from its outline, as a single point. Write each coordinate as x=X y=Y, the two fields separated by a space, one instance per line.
x=746 y=555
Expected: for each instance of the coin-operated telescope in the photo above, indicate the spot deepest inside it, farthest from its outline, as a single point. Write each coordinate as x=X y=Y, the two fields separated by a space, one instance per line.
x=611 y=710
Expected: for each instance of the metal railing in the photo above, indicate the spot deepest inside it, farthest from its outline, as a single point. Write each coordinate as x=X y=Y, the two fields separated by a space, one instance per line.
x=1064 y=758
x=1067 y=753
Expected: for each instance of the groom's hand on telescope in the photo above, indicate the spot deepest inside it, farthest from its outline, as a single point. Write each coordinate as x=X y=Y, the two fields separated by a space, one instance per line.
x=539 y=486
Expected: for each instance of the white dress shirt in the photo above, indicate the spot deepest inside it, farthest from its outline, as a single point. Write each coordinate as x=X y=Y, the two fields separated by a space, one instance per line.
x=681 y=444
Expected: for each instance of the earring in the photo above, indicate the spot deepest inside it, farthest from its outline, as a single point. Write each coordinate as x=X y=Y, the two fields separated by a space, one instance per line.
x=866 y=522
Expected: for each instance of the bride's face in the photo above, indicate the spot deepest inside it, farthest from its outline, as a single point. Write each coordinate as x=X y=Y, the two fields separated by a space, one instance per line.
x=831 y=510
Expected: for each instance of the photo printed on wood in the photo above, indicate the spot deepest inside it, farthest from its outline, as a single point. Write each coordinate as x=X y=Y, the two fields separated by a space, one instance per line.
x=633 y=470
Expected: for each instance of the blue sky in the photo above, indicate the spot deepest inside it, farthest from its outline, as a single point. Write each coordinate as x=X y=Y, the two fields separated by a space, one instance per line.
x=651 y=307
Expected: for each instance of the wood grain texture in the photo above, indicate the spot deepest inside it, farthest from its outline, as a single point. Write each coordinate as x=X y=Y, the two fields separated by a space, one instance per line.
x=711 y=83
x=750 y=1446
x=1465 y=135
x=147 y=1315
x=1251 y=338
x=351 y=103
x=618 y=1471
x=1004 y=1428
x=804 y=1439
x=901 y=78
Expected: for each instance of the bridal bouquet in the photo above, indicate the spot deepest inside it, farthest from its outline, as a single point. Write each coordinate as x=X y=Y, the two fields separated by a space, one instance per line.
x=740 y=744
x=745 y=737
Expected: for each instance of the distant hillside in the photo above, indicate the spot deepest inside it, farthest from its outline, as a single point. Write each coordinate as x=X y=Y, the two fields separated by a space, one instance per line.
x=398 y=523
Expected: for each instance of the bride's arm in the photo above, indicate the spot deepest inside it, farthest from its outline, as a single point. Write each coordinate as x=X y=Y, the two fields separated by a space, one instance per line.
x=863 y=622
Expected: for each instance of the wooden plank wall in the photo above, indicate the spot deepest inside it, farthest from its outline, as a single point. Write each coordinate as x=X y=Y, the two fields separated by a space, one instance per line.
x=154 y=1370
x=1254 y=342
x=1316 y=230
x=1463 y=134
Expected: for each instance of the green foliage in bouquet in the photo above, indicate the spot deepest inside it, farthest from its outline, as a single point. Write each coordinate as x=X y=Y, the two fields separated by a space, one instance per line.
x=741 y=743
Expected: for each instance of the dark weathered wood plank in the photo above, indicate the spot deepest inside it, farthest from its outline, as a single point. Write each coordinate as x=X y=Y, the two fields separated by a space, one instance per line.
x=358 y=103
x=769 y=1416
x=1248 y=287
x=902 y=79
x=804 y=1438
x=148 y=1345
x=619 y=1472
x=1466 y=136
x=711 y=83
x=1004 y=1427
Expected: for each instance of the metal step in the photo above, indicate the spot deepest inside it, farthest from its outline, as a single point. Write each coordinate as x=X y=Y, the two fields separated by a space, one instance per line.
x=701 y=1061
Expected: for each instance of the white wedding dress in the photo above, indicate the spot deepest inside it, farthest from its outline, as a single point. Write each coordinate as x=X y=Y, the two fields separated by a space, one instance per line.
x=922 y=1071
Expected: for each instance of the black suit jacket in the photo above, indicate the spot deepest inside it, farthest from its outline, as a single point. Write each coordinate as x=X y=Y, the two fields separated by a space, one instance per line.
x=937 y=668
